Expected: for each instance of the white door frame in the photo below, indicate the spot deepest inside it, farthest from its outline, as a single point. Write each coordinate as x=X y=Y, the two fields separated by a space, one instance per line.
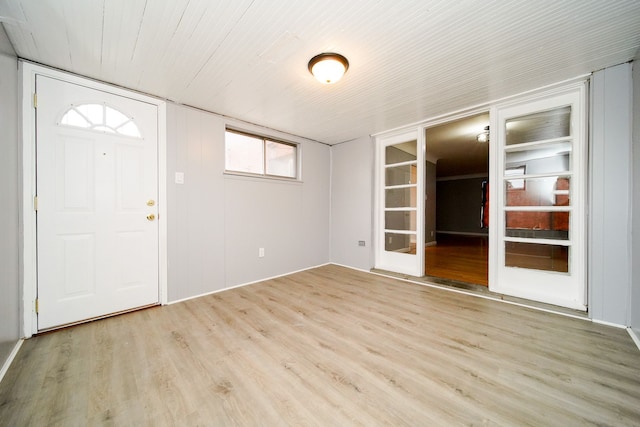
x=491 y=107
x=379 y=181
x=577 y=92
x=384 y=260
x=28 y=214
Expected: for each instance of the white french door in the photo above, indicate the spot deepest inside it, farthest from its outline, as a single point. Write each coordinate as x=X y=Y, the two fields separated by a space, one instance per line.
x=399 y=218
x=97 y=203
x=538 y=194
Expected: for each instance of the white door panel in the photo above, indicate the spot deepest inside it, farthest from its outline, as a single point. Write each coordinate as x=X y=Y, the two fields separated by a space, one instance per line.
x=538 y=190
x=399 y=203
x=97 y=251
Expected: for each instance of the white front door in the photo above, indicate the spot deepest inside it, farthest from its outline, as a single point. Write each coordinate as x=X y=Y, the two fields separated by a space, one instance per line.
x=539 y=194
x=400 y=203
x=97 y=192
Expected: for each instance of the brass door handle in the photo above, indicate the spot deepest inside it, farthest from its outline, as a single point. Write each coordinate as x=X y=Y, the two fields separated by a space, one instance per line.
x=151 y=217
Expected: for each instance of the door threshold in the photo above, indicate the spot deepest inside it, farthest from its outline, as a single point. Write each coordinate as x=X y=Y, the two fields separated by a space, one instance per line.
x=93 y=319
x=484 y=292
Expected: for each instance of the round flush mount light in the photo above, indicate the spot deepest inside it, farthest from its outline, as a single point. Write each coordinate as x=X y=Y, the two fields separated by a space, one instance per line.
x=484 y=135
x=328 y=68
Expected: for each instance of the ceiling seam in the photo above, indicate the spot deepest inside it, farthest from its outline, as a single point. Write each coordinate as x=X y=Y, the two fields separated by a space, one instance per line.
x=226 y=36
x=135 y=47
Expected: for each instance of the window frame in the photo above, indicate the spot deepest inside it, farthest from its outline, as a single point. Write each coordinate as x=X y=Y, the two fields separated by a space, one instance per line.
x=265 y=139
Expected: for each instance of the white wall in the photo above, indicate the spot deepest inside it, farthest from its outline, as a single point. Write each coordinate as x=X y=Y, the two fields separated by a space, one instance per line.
x=635 y=291
x=217 y=222
x=195 y=213
x=611 y=179
x=352 y=203
x=289 y=220
x=9 y=268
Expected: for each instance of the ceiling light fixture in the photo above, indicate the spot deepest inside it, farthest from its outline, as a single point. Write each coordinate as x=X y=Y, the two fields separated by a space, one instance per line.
x=328 y=68
x=484 y=136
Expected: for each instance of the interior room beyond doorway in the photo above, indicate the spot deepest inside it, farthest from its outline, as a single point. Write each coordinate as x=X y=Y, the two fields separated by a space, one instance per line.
x=457 y=204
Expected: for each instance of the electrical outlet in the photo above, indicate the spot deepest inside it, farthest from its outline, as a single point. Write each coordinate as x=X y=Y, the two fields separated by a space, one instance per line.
x=361 y=243
x=260 y=252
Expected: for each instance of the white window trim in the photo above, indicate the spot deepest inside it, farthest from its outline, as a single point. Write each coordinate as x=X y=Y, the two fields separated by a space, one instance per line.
x=265 y=138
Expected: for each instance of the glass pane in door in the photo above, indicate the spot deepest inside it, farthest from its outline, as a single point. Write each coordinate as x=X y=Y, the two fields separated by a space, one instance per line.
x=400 y=175
x=400 y=220
x=540 y=193
x=537 y=257
x=539 y=126
x=403 y=152
x=547 y=191
x=537 y=225
x=553 y=157
x=400 y=197
x=395 y=242
x=537 y=174
x=399 y=228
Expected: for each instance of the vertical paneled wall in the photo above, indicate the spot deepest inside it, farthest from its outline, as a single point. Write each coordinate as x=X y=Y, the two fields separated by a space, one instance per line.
x=290 y=220
x=352 y=203
x=611 y=179
x=195 y=209
x=635 y=261
x=9 y=277
x=217 y=222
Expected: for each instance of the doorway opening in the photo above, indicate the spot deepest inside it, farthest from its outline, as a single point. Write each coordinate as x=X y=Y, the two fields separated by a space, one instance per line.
x=457 y=201
x=533 y=190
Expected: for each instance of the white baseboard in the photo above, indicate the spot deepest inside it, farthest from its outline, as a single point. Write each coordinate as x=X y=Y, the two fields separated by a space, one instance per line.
x=463 y=233
x=244 y=284
x=352 y=268
x=634 y=337
x=604 y=322
x=9 y=360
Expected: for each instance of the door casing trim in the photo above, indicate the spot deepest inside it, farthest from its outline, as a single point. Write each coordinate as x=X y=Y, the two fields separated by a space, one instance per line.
x=28 y=226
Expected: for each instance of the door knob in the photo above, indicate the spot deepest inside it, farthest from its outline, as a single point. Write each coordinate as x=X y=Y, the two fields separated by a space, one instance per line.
x=151 y=217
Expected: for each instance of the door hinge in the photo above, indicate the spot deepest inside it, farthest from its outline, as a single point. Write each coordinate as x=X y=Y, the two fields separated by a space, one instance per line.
x=35 y=100
x=35 y=203
x=37 y=306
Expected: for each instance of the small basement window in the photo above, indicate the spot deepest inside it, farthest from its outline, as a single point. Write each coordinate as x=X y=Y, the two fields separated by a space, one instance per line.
x=257 y=155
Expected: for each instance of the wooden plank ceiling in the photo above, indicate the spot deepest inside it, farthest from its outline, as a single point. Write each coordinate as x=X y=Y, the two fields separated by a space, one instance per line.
x=410 y=60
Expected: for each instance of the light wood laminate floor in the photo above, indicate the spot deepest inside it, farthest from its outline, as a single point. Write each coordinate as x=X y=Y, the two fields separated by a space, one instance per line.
x=328 y=347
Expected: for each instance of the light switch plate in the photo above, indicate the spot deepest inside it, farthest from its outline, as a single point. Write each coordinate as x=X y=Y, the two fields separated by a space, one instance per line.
x=179 y=177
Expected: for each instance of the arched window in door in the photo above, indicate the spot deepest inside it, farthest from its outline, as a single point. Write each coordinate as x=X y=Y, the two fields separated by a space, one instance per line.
x=100 y=118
